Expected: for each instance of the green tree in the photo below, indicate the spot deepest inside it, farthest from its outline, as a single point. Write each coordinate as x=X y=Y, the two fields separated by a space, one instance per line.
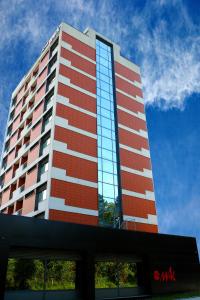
x=10 y=280
x=23 y=272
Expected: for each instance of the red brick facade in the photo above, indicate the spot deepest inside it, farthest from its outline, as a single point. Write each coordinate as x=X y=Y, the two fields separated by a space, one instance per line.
x=67 y=149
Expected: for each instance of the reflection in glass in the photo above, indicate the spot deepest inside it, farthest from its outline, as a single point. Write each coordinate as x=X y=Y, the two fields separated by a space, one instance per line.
x=40 y=274
x=115 y=274
x=109 y=211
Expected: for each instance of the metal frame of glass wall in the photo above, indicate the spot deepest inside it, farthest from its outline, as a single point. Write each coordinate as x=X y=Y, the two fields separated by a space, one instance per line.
x=109 y=191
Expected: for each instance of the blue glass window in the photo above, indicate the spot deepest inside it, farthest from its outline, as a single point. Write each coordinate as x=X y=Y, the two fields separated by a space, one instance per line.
x=109 y=211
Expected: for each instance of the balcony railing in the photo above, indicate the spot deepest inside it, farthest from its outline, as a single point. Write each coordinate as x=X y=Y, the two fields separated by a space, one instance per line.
x=18 y=212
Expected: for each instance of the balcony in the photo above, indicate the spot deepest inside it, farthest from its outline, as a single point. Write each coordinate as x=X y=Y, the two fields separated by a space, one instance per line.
x=6 y=150
x=18 y=191
x=4 y=166
x=22 y=149
x=44 y=176
x=9 y=134
x=49 y=105
x=53 y=67
x=18 y=213
x=42 y=205
x=45 y=150
x=20 y=169
x=27 y=113
x=25 y=130
x=47 y=125
x=54 y=51
x=51 y=85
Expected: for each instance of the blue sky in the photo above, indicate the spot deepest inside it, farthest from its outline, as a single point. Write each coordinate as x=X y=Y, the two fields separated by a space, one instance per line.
x=163 y=37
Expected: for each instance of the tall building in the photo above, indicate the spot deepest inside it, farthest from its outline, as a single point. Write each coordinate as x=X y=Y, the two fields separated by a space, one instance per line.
x=76 y=144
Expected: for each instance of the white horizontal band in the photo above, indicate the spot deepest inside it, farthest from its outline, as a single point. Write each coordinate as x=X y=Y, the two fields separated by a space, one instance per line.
x=59 y=204
x=133 y=82
x=136 y=98
x=62 y=147
x=59 y=121
x=66 y=81
x=142 y=151
x=69 y=47
x=152 y=219
x=147 y=196
x=138 y=115
x=67 y=63
x=60 y=174
x=140 y=132
x=65 y=101
x=144 y=173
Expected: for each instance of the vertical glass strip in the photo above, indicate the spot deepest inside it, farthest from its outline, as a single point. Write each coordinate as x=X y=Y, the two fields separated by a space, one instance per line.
x=109 y=206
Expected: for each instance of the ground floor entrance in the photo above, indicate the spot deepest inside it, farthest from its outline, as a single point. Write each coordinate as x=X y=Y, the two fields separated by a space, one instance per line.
x=117 y=277
x=45 y=275
x=46 y=260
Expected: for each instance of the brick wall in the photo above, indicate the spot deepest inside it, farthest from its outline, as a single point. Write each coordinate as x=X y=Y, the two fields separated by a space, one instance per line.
x=31 y=177
x=77 y=98
x=77 y=118
x=79 y=46
x=38 y=111
x=44 y=61
x=42 y=76
x=8 y=175
x=28 y=204
x=76 y=141
x=79 y=62
x=13 y=139
x=64 y=216
x=78 y=79
x=133 y=206
x=36 y=131
x=11 y=157
x=33 y=154
x=75 y=194
x=5 y=196
x=75 y=167
x=40 y=93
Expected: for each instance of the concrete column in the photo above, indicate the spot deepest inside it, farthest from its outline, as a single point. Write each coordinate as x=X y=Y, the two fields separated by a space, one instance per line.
x=85 y=277
x=3 y=265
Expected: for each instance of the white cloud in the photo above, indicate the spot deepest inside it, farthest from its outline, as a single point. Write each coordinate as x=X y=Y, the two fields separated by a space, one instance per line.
x=19 y=21
x=160 y=36
x=169 y=52
x=164 y=42
x=182 y=219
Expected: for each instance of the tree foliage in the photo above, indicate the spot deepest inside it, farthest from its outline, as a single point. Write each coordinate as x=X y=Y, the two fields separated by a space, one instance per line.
x=23 y=274
x=29 y=274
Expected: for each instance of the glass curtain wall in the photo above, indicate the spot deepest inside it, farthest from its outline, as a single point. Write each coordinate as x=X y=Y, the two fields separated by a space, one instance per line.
x=109 y=208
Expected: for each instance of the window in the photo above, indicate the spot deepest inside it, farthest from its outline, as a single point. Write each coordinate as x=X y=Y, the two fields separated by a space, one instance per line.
x=52 y=63
x=35 y=72
x=31 y=170
x=44 y=143
x=12 y=115
x=46 y=120
x=41 y=193
x=109 y=206
x=43 y=168
x=51 y=79
x=34 y=146
x=9 y=130
x=48 y=99
x=7 y=146
x=53 y=47
x=4 y=163
x=14 y=100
